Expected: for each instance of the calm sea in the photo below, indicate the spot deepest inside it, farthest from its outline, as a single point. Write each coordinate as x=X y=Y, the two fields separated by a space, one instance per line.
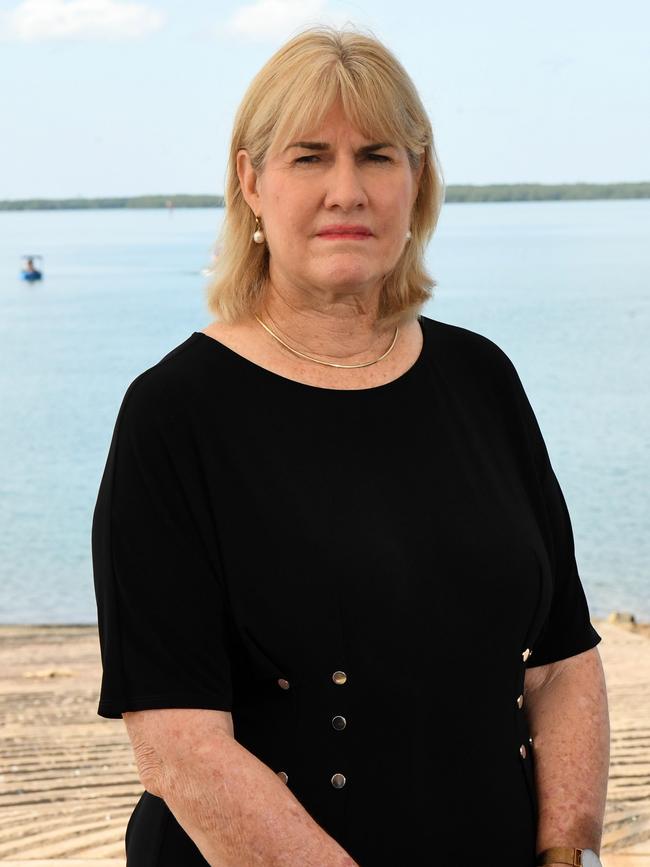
x=562 y=287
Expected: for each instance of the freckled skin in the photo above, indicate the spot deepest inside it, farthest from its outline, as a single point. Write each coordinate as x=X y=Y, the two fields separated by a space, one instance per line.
x=223 y=796
x=568 y=716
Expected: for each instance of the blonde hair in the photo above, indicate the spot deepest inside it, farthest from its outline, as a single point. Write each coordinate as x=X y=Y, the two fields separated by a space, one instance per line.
x=291 y=94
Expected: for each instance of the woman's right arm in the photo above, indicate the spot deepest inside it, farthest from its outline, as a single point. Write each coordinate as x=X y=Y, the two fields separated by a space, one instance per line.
x=235 y=809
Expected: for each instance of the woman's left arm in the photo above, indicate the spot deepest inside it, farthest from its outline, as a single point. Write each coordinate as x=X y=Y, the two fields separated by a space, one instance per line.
x=567 y=711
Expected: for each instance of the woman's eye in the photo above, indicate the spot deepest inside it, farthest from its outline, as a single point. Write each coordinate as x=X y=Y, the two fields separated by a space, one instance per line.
x=372 y=157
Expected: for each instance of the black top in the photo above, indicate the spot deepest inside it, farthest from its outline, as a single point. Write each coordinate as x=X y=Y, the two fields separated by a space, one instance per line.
x=357 y=575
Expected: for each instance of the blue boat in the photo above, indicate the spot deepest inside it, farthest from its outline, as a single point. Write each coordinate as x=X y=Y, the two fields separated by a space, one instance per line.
x=30 y=272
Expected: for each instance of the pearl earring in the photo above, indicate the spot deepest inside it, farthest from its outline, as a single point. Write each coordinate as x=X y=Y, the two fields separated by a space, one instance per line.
x=409 y=235
x=258 y=234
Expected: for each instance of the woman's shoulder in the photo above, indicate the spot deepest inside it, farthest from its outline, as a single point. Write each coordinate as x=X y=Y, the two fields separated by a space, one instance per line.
x=481 y=369
x=167 y=387
x=464 y=350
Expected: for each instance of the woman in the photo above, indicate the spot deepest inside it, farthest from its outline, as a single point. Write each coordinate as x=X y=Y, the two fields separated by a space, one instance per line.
x=338 y=602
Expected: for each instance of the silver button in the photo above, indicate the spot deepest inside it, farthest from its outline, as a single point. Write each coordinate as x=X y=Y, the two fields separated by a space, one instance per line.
x=339 y=677
x=520 y=702
x=283 y=683
x=527 y=652
x=339 y=723
x=522 y=751
x=338 y=781
x=530 y=741
x=283 y=776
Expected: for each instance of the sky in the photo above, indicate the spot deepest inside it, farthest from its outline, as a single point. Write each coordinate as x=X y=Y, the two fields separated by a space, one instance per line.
x=118 y=98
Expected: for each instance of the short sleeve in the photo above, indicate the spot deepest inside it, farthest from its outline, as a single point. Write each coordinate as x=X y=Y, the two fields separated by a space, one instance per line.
x=160 y=602
x=567 y=629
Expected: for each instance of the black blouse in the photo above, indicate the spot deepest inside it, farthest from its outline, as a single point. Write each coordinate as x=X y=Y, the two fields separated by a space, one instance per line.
x=361 y=577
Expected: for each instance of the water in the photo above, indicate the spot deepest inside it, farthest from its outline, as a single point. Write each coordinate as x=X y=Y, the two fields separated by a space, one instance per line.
x=562 y=287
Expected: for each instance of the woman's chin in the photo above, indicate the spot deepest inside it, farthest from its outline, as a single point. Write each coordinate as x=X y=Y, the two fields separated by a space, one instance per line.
x=348 y=276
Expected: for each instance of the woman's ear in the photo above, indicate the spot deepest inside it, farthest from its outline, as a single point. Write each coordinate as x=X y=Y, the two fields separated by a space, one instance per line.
x=248 y=180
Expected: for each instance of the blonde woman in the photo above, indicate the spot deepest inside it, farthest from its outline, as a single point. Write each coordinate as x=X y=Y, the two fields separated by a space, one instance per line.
x=338 y=602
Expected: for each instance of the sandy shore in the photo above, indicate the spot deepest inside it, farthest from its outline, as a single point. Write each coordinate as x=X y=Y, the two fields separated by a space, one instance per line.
x=68 y=782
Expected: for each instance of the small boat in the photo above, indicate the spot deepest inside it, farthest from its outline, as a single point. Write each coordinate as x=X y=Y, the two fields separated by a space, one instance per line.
x=30 y=272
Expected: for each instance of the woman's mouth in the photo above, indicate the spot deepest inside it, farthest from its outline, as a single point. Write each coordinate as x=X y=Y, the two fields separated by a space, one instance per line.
x=348 y=232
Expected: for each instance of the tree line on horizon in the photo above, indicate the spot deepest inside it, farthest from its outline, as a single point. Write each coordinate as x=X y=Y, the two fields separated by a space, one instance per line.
x=453 y=193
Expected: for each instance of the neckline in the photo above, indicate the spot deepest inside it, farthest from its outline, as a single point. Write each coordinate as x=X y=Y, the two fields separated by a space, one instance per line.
x=406 y=376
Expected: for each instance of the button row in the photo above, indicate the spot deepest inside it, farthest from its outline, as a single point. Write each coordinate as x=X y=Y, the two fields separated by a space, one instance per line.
x=338 y=722
x=338 y=677
x=526 y=654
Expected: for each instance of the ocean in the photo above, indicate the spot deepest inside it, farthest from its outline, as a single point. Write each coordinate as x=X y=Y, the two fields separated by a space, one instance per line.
x=561 y=287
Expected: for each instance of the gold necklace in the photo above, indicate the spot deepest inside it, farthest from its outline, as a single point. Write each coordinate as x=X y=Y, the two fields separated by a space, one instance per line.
x=329 y=363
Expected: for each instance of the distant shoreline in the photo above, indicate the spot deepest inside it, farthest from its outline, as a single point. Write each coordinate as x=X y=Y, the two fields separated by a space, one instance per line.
x=454 y=193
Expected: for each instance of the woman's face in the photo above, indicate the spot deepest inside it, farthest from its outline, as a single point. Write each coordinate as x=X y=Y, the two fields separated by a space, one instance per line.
x=341 y=182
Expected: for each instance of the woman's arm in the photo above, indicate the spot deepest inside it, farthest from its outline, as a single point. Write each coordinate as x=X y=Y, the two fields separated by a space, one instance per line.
x=234 y=807
x=566 y=707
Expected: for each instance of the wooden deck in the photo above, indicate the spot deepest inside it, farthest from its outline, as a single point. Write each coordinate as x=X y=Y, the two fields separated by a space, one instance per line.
x=68 y=782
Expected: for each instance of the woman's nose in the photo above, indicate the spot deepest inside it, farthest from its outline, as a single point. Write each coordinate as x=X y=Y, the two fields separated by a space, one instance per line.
x=344 y=183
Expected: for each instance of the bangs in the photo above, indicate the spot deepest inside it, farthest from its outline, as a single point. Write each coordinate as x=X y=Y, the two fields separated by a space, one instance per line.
x=369 y=101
